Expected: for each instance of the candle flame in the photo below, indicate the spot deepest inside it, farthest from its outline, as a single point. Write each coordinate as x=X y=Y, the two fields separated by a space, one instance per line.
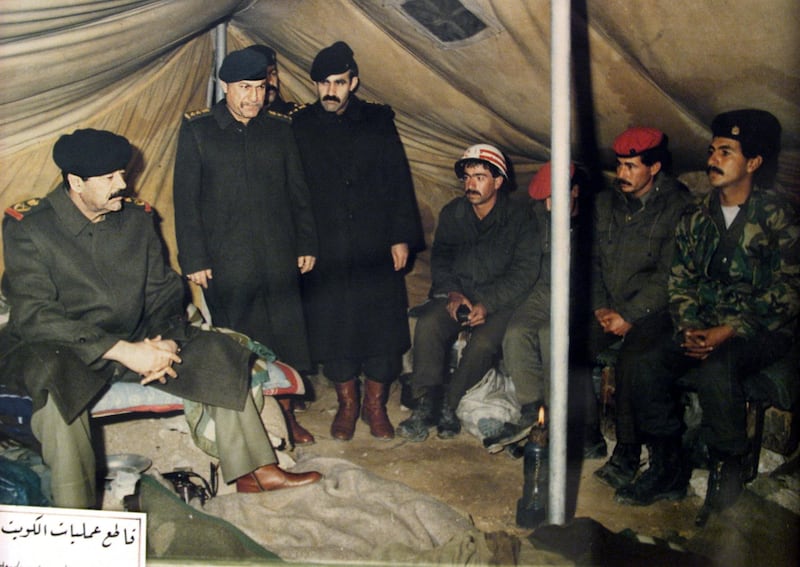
x=541 y=415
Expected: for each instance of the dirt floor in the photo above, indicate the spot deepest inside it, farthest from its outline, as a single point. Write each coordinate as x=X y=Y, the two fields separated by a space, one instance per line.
x=484 y=487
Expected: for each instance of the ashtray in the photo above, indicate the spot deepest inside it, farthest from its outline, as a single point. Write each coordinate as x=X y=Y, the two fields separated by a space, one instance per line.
x=127 y=462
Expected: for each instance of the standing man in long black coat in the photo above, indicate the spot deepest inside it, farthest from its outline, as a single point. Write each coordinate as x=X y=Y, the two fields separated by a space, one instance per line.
x=368 y=221
x=243 y=220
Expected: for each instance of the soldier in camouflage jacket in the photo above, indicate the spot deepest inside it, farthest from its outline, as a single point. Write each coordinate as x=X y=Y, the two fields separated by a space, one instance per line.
x=734 y=292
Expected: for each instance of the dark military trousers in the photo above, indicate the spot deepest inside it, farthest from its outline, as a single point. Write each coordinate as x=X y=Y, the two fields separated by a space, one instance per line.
x=645 y=333
x=434 y=335
x=719 y=381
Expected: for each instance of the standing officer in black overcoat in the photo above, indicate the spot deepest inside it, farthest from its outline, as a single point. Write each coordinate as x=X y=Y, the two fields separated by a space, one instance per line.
x=243 y=220
x=366 y=212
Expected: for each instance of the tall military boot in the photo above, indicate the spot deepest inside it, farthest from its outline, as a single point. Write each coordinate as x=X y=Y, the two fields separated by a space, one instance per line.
x=424 y=416
x=667 y=477
x=724 y=486
x=621 y=468
x=344 y=424
x=373 y=410
x=298 y=434
x=449 y=425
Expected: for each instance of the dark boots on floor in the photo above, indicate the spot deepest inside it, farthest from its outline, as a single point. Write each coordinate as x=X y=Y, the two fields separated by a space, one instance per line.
x=724 y=486
x=425 y=416
x=373 y=410
x=344 y=424
x=666 y=478
x=511 y=433
x=298 y=434
x=621 y=468
x=449 y=425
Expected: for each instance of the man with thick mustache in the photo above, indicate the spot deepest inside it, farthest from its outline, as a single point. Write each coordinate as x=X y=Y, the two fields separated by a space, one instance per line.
x=634 y=227
x=366 y=212
x=734 y=297
x=243 y=218
x=484 y=262
x=93 y=301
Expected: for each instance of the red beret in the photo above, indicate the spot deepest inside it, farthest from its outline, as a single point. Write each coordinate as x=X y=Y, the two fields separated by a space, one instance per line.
x=539 y=188
x=634 y=141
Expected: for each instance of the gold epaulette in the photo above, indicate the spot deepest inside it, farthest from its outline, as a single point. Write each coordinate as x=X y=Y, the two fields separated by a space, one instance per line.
x=192 y=114
x=22 y=208
x=297 y=108
x=279 y=115
x=136 y=201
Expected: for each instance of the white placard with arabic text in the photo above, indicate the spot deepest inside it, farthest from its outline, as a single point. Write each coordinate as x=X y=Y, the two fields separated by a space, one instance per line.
x=32 y=537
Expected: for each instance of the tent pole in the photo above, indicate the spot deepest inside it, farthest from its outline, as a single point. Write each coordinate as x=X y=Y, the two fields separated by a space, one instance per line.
x=561 y=96
x=215 y=93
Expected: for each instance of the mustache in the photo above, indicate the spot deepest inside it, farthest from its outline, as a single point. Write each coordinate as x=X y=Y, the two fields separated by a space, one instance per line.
x=332 y=98
x=471 y=192
x=621 y=182
x=121 y=193
x=271 y=88
x=711 y=168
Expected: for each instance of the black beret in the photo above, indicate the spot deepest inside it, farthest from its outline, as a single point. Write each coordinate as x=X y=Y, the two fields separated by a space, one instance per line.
x=333 y=60
x=266 y=51
x=758 y=131
x=89 y=153
x=243 y=65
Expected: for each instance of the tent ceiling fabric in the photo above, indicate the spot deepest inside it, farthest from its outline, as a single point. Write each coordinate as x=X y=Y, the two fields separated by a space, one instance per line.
x=137 y=66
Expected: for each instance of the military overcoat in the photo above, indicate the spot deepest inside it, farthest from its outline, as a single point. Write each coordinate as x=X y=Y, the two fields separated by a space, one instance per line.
x=242 y=209
x=363 y=200
x=76 y=288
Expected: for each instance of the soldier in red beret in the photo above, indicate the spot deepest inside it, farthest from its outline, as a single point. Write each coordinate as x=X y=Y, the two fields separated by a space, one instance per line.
x=526 y=350
x=634 y=240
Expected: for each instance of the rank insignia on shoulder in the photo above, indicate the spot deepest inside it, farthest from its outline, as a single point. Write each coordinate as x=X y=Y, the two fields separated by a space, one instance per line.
x=297 y=108
x=139 y=203
x=279 y=115
x=192 y=114
x=19 y=210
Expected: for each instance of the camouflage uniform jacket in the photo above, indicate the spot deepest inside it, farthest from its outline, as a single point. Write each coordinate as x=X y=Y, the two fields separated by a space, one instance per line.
x=754 y=285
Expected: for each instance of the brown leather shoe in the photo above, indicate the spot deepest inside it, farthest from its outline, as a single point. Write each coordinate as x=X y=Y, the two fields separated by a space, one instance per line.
x=373 y=412
x=298 y=434
x=344 y=424
x=271 y=477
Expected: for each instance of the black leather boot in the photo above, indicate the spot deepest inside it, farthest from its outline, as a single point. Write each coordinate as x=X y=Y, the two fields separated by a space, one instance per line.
x=665 y=479
x=514 y=432
x=415 y=428
x=449 y=425
x=724 y=486
x=621 y=468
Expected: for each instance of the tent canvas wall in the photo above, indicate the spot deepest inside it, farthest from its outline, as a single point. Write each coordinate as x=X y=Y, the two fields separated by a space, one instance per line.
x=135 y=67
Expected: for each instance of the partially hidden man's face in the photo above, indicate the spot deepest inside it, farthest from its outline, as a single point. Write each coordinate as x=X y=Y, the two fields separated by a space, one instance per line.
x=273 y=84
x=726 y=164
x=634 y=177
x=334 y=92
x=244 y=98
x=97 y=196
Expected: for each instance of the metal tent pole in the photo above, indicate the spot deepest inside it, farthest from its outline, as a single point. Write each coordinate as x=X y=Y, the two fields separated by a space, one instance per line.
x=214 y=93
x=561 y=96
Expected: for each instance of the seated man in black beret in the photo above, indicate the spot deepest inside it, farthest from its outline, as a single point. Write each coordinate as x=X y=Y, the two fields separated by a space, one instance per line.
x=93 y=301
